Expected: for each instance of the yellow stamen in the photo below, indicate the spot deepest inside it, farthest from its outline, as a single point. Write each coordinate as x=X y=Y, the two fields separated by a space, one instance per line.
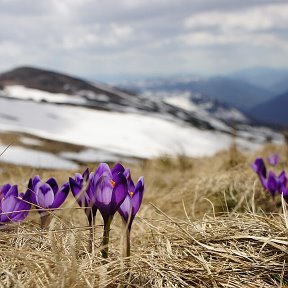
x=131 y=193
x=112 y=183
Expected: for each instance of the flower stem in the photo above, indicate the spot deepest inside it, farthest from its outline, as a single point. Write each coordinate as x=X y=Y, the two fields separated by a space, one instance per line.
x=91 y=239
x=91 y=219
x=44 y=220
x=127 y=252
x=105 y=241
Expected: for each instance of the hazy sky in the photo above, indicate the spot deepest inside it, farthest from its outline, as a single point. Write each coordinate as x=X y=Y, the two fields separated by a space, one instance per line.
x=106 y=39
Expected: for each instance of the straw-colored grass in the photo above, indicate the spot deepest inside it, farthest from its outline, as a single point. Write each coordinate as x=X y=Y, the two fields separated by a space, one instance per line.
x=204 y=223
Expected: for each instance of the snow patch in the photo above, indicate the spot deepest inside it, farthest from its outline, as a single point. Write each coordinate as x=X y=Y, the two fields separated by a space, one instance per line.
x=31 y=141
x=22 y=92
x=30 y=157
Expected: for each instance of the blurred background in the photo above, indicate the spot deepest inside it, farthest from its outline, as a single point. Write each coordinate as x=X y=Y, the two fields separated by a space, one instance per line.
x=88 y=81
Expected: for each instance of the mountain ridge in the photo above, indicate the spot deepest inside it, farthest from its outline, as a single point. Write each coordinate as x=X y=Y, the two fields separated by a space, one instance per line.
x=227 y=90
x=273 y=111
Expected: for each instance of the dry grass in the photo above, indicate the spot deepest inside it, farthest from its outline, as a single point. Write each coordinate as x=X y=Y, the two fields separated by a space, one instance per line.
x=204 y=223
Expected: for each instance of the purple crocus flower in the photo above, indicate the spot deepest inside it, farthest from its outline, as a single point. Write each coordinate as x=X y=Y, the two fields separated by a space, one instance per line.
x=275 y=184
x=108 y=188
x=47 y=195
x=259 y=167
x=80 y=187
x=102 y=190
x=133 y=199
x=14 y=207
x=274 y=159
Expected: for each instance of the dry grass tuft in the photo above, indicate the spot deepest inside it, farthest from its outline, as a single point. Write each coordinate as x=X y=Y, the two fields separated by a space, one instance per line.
x=204 y=223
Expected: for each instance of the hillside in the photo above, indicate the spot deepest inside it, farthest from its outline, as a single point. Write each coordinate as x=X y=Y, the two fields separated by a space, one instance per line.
x=273 y=111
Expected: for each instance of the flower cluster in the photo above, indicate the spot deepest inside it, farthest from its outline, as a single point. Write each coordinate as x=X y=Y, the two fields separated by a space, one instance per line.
x=105 y=190
x=269 y=180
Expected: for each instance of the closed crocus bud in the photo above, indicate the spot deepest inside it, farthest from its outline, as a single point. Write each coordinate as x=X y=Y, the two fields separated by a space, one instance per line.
x=133 y=199
x=109 y=189
x=274 y=159
x=276 y=183
x=14 y=207
x=260 y=169
x=80 y=186
x=131 y=205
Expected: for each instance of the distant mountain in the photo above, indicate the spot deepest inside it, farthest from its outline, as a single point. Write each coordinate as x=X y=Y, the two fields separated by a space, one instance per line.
x=281 y=86
x=274 y=111
x=234 y=92
x=273 y=80
x=54 y=82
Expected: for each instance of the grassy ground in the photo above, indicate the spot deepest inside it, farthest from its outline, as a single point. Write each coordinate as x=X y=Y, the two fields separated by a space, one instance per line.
x=204 y=223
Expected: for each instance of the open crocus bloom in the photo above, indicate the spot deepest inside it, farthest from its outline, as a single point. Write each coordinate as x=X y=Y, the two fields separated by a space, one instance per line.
x=47 y=195
x=108 y=188
x=133 y=199
x=14 y=207
x=274 y=159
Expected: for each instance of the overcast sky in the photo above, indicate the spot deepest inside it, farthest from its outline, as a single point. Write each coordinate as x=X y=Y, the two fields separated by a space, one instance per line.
x=114 y=39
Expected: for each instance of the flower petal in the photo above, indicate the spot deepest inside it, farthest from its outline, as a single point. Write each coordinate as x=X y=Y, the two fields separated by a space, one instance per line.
x=272 y=183
x=53 y=184
x=44 y=195
x=86 y=174
x=104 y=190
x=61 y=195
x=21 y=210
x=34 y=181
x=12 y=191
x=137 y=197
x=4 y=189
x=120 y=191
x=76 y=188
x=117 y=170
x=282 y=179
x=259 y=167
x=125 y=208
x=127 y=174
x=102 y=170
x=8 y=207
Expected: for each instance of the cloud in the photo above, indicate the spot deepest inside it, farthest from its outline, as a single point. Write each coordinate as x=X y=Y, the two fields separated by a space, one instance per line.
x=103 y=36
x=256 y=19
x=212 y=39
x=95 y=37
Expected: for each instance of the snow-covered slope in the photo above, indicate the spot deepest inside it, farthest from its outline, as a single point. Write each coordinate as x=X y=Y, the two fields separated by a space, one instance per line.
x=122 y=133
